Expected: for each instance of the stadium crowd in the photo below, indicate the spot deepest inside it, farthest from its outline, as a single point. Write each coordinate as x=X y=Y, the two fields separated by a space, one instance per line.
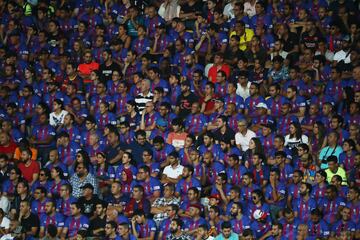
x=180 y=119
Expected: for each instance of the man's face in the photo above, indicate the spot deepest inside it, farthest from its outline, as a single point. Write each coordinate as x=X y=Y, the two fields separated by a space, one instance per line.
x=303 y=189
x=141 y=140
x=351 y=195
x=273 y=92
x=332 y=166
x=100 y=88
x=253 y=90
x=246 y=180
x=315 y=218
x=37 y=194
x=115 y=188
x=285 y=109
x=207 y=159
x=296 y=178
x=289 y=217
x=172 y=160
x=195 y=108
x=3 y=163
x=49 y=208
x=234 y=210
x=330 y=194
x=87 y=58
x=273 y=176
x=99 y=209
x=80 y=170
x=185 y=172
x=356 y=73
x=290 y=93
x=74 y=210
x=334 y=124
x=67 y=120
x=108 y=229
x=226 y=232
x=24 y=208
x=275 y=230
x=24 y=156
x=122 y=230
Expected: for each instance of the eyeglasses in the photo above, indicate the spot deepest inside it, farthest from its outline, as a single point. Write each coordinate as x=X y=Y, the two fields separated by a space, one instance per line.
x=42 y=174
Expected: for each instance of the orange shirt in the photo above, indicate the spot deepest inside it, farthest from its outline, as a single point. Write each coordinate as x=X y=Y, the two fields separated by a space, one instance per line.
x=18 y=153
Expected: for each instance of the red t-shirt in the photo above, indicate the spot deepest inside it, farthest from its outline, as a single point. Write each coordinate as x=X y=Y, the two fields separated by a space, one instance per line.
x=214 y=69
x=87 y=68
x=28 y=172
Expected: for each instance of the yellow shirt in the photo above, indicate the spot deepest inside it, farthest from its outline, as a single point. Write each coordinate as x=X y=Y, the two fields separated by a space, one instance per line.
x=244 y=39
x=341 y=172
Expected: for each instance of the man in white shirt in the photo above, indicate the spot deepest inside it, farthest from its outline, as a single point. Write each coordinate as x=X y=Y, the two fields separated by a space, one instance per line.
x=344 y=53
x=173 y=172
x=4 y=223
x=243 y=85
x=242 y=138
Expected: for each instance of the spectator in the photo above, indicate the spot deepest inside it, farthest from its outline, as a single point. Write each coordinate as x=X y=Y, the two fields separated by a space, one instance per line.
x=226 y=232
x=75 y=223
x=81 y=178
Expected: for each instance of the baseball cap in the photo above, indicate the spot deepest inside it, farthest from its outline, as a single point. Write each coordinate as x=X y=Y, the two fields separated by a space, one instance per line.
x=346 y=38
x=261 y=105
x=196 y=205
x=88 y=185
x=216 y=196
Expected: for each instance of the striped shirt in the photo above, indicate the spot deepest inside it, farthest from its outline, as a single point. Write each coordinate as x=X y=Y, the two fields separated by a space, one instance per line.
x=141 y=100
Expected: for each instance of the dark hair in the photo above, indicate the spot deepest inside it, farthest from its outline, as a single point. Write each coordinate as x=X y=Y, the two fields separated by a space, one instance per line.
x=52 y=230
x=225 y=224
x=332 y=158
x=322 y=173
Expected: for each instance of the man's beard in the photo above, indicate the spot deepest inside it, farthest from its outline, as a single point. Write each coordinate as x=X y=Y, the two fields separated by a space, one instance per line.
x=173 y=231
x=80 y=174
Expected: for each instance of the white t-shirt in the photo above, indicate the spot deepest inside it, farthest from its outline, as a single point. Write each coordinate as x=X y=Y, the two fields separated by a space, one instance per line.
x=173 y=172
x=243 y=141
x=5 y=223
x=4 y=204
x=56 y=120
x=293 y=142
x=342 y=55
x=243 y=92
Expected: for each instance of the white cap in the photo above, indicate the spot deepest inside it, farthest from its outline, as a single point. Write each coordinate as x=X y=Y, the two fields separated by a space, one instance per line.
x=261 y=105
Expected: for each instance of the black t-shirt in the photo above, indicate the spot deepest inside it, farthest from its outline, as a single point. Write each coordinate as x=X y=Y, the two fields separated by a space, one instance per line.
x=310 y=41
x=290 y=43
x=106 y=71
x=185 y=102
x=228 y=135
x=88 y=205
x=197 y=7
x=97 y=223
x=30 y=222
x=114 y=151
